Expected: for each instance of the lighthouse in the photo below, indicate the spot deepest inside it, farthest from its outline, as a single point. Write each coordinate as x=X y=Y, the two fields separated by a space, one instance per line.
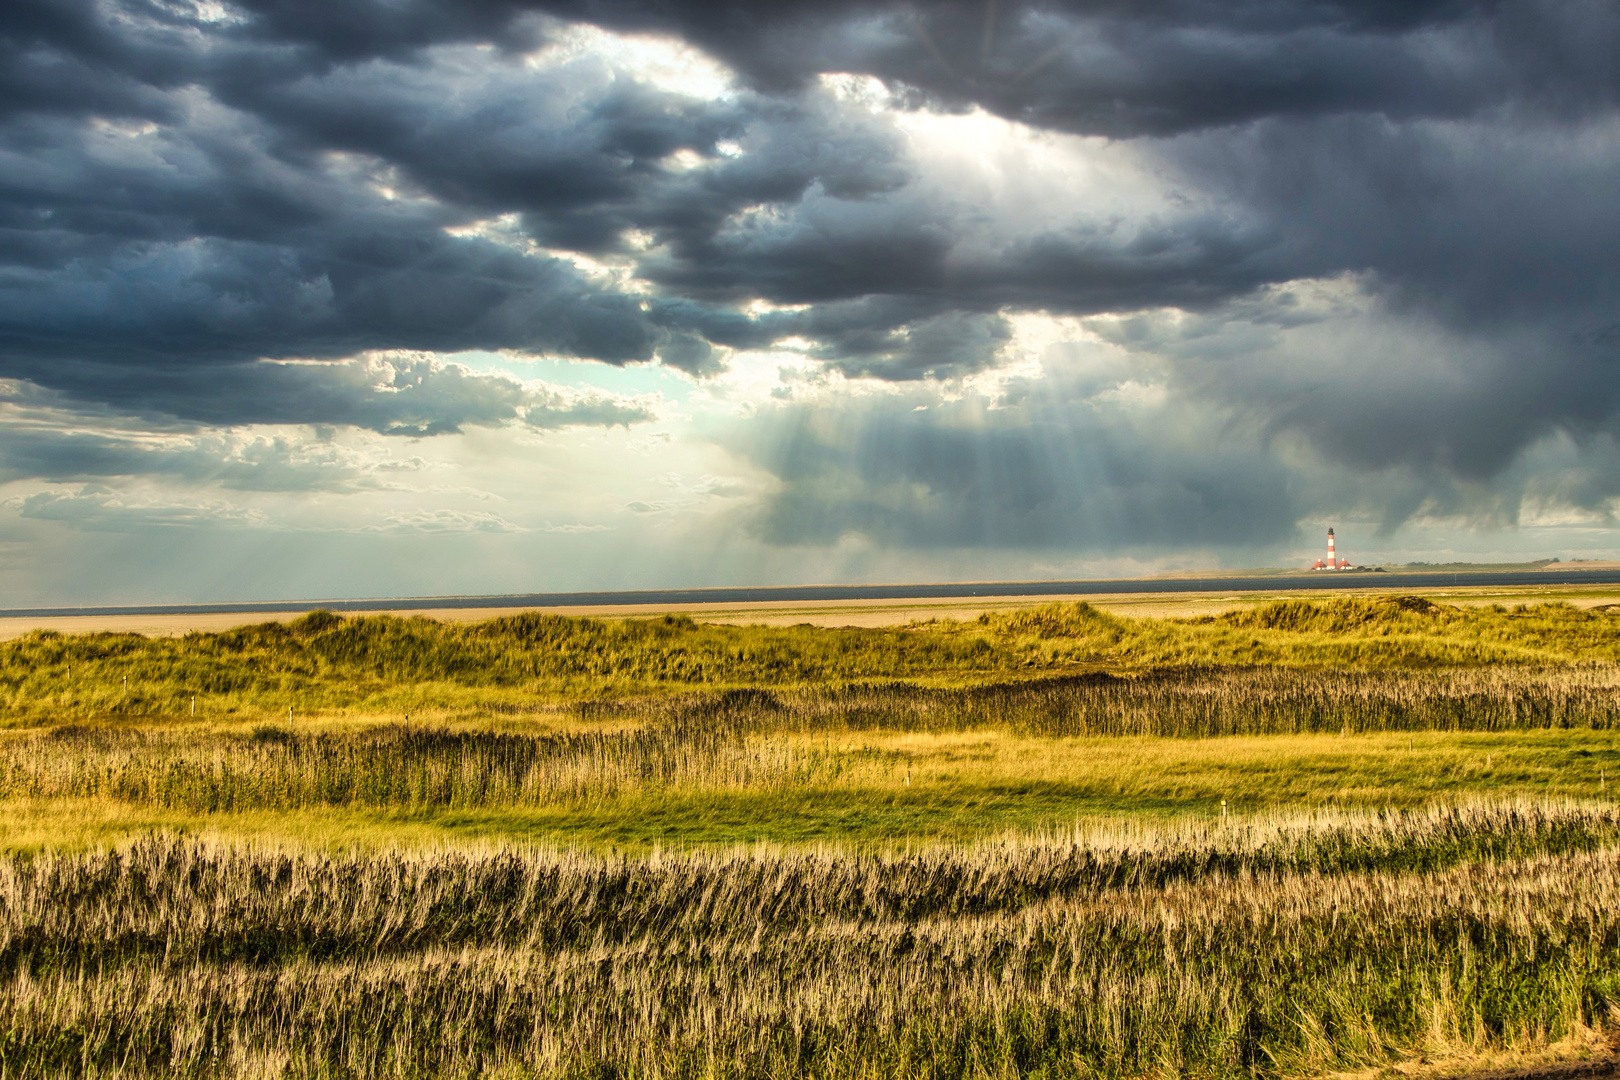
x=1332 y=562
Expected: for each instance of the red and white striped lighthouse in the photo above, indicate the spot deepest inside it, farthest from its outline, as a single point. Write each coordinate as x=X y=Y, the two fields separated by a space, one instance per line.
x=1332 y=562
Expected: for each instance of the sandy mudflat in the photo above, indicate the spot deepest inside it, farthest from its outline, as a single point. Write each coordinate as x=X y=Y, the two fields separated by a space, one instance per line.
x=815 y=612
x=818 y=612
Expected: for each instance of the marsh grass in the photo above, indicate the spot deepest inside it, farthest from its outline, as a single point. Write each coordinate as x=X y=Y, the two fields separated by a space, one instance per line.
x=676 y=784
x=324 y=662
x=359 y=940
x=863 y=763
x=1171 y=703
x=398 y=766
x=1262 y=948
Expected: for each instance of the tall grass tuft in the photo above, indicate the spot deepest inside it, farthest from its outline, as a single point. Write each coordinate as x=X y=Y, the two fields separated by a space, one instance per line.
x=1270 y=949
x=1173 y=703
x=395 y=766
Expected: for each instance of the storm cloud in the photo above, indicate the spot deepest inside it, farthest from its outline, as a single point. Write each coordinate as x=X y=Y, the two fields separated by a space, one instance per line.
x=1343 y=256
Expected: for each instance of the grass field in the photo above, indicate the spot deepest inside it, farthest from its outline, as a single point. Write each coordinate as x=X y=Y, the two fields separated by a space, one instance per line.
x=1302 y=837
x=383 y=785
x=1328 y=944
x=323 y=663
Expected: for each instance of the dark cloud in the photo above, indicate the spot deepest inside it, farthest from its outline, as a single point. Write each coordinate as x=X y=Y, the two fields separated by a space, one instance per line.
x=1158 y=68
x=1506 y=221
x=299 y=261
x=320 y=212
x=188 y=192
x=953 y=343
x=213 y=301
x=393 y=395
x=407 y=394
x=134 y=252
x=1096 y=66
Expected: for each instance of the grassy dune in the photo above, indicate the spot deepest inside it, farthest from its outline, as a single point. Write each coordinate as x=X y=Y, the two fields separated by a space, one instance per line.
x=324 y=663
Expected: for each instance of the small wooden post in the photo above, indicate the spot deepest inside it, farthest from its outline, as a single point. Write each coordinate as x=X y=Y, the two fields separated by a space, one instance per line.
x=1223 y=811
x=193 y=706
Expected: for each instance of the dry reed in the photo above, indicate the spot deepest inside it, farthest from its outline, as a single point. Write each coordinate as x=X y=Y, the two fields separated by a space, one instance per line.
x=402 y=767
x=1181 y=703
x=1265 y=950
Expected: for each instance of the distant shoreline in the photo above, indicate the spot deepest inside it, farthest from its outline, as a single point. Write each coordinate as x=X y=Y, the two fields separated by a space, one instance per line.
x=1302 y=581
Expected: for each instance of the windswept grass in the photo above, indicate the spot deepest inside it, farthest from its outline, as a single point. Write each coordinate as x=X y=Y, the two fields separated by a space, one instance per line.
x=803 y=760
x=1329 y=944
x=324 y=662
x=887 y=932
x=683 y=785
x=1172 y=703
x=400 y=767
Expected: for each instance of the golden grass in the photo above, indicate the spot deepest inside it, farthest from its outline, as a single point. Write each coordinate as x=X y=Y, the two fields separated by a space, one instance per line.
x=1523 y=1052
x=1280 y=948
x=869 y=789
x=657 y=849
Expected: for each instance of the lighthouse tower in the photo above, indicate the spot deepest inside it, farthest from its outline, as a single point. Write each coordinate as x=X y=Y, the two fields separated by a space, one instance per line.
x=1332 y=562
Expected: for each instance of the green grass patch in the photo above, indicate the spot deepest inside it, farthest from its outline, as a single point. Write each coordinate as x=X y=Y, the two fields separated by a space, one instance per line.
x=323 y=663
x=888 y=789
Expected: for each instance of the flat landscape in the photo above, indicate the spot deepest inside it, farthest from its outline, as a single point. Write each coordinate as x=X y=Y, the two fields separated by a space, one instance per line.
x=908 y=540
x=1215 y=836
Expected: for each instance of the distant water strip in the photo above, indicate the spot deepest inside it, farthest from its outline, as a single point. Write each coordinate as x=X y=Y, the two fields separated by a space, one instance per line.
x=789 y=594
